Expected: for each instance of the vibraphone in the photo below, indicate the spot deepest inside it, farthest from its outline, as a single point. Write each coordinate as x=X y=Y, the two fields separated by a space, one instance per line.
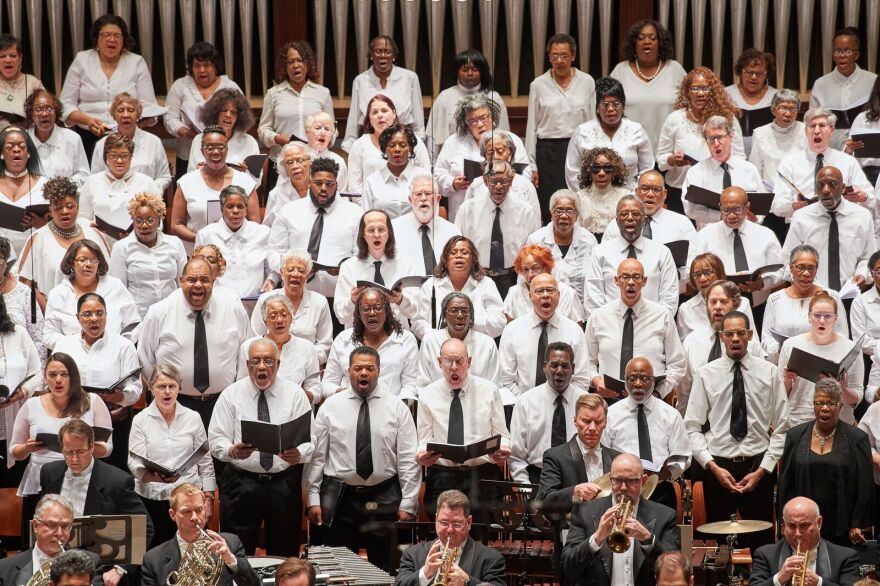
x=532 y=558
x=340 y=565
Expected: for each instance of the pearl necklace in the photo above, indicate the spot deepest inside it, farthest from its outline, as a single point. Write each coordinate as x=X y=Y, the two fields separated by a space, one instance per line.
x=74 y=232
x=13 y=175
x=649 y=77
x=823 y=438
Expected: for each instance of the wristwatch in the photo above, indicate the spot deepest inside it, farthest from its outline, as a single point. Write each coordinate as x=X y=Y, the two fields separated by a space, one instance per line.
x=120 y=571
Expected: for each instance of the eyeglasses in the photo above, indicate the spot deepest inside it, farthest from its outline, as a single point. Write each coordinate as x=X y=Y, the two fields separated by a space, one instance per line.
x=545 y=291
x=298 y=162
x=459 y=252
x=152 y=220
x=478 y=120
x=700 y=89
x=714 y=139
x=842 y=52
x=636 y=278
x=614 y=104
x=596 y=169
x=54 y=526
x=77 y=453
x=273 y=315
x=823 y=316
x=214 y=148
x=649 y=189
x=458 y=310
x=638 y=378
x=559 y=56
x=805 y=269
x=368 y=309
x=707 y=273
x=737 y=210
x=457 y=525
x=86 y=262
x=787 y=109
x=500 y=182
x=617 y=481
x=121 y=157
x=383 y=52
x=564 y=212
x=820 y=404
x=449 y=361
x=43 y=110
x=107 y=36
x=100 y=313
x=756 y=73
x=270 y=362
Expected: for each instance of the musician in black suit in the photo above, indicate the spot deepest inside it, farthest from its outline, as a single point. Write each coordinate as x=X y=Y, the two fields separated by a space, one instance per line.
x=92 y=486
x=570 y=469
x=188 y=512
x=777 y=563
x=477 y=563
x=650 y=528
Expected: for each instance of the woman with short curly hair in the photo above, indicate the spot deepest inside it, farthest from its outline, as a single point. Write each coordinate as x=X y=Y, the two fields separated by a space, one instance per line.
x=602 y=183
x=229 y=109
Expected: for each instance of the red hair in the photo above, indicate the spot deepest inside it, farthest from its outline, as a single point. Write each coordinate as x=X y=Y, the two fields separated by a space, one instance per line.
x=542 y=254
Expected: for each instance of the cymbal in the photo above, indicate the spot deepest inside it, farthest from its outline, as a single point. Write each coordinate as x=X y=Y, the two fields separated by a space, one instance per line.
x=604 y=483
x=734 y=527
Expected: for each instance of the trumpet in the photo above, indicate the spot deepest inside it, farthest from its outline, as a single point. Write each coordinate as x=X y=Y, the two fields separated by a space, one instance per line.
x=447 y=558
x=618 y=540
x=801 y=578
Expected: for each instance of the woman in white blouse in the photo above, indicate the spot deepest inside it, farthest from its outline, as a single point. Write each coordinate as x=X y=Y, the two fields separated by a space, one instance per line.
x=23 y=311
x=148 y=262
x=148 y=156
x=531 y=261
x=63 y=400
x=610 y=129
x=459 y=270
x=16 y=86
x=375 y=326
x=865 y=320
x=294 y=163
x=320 y=135
x=388 y=188
x=98 y=74
x=753 y=70
x=706 y=270
x=21 y=184
x=602 y=182
x=204 y=76
x=311 y=312
x=865 y=123
x=168 y=433
x=86 y=268
x=823 y=341
x=60 y=149
x=365 y=156
x=230 y=110
x=785 y=135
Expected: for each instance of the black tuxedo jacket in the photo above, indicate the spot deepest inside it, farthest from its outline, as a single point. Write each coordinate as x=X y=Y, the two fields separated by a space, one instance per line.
x=836 y=565
x=563 y=468
x=17 y=570
x=582 y=567
x=111 y=491
x=481 y=564
x=165 y=558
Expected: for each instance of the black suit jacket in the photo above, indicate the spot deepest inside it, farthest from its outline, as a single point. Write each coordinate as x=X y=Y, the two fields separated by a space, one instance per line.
x=165 y=558
x=481 y=564
x=111 y=491
x=17 y=570
x=563 y=468
x=582 y=567
x=838 y=566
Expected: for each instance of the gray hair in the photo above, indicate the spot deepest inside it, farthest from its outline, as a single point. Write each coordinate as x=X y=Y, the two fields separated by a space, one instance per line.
x=313 y=117
x=73 y=562
x=230 y=190
x=820 y=113
x=629 y=197
x=297 y=254
x=802 y=248
x=471 y=103
x=785 y=95
x=498 y=167
x=716 y=122
x=165 y=369
x=50 y=500
x=294 y=144
x=505 y=136
x=564 y=194
x=281 y=297
x=422 y=175
x=830 y=387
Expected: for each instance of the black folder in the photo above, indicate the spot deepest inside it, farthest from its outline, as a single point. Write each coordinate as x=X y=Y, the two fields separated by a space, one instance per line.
x=811 y=367
x=740 y=278
x=472 y=169
x=274 y=438
x=752 y=119
x=11 y=217
x=181 y=467
x=759 y=201
x=460 y=454
x=5 y=393
x=109 y=389
x=679 y=250
x=112 y=230
x=410 y=281
x=872 y=144
x=846 y=117
x=53 y=443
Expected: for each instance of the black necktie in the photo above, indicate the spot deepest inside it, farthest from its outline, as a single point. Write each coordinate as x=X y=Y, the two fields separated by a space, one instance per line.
x=739 y=253
x=738 y=412
x=455 y=435
x=715 y=353
x=626 y=343
x=644 y=435
x=725 y=178
x=427 y=251
x=263 y=415
x=820 y=162
x=646 y=229
x=377 y=274
x=315 y=236
x=201 y=374
x=631 y=252
x=558 y=434
x=540 y=377
x=363 y=445
x=496 y=248
x=833 y=252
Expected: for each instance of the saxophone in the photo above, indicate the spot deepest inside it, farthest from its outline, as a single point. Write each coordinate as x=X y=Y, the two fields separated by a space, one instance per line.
x=42 y=576
x=198 y=566
x=447 y=558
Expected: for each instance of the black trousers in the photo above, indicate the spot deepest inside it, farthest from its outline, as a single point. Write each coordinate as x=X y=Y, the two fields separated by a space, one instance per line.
x=163 y=527
x=504 y=282
x=205 y=408
x=665 y=495
x=550 y=160
x=180 y=168
x=121 y=430
x=249 y=499
x=466 y=479
x=673 y=199
x=89 y=141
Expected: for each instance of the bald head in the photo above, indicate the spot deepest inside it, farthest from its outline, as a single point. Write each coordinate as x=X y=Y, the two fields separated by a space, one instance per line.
x=801 y=505
x=630 y=279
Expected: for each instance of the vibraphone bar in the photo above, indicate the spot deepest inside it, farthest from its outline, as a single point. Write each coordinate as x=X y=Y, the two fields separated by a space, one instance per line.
x=339 y=565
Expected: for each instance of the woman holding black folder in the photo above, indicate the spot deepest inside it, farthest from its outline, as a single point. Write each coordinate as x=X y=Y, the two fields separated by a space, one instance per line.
x=174 y=433
x=752 y=93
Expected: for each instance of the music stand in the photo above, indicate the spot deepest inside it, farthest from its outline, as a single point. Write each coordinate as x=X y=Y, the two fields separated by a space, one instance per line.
x=117 y=539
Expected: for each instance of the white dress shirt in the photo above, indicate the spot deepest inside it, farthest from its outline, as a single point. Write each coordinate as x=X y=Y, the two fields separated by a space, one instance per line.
x=149 y=158
x=62 y=154
x=197 y=194
x=104 y=362
x=554 y=111
x=800 y=169
x=531 y=426
x=282 y=194
x=311 y=322
x=665 y=426
x=650 y=102
x=666 y=226
x=397 y=374
x=393 y=442
x=522 y=189
x=408 y=236
x=810 y=225
x=387 y=192
x=657 y=262
x=285 y=111
x=654 y=337
x=518 y=220
x=865 y=319
x=75 y=487
x=169 y=445
x=630 y=141
x=592 y=459
x=836 y=91
x=488 y=315
x=183 y=99
x=19 y=359
x=362 y=269
x=298 y=364
x=239 y=147
x=167 y=336
x=787 y=317
x=103 y=195
x=365 y=158
x=246 y=252
x=482 y=410
x=708 y=174
x=149 y=273
x=402 y=87
x=61 y=310
x=19 y=305
x=238 y=402
x=293 y=227
x=870 y=424
x=518 y=351
x=571 y=268
x=517 y=303
x=441 y=119
x=88 y=89
x=710 y=402
x=481 y=348
x=693 y=315
x=771 y=143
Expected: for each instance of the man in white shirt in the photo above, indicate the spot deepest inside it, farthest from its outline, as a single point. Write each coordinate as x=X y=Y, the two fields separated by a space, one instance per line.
x=840 y=230
x=632 y=326
x=659 y=435
x=374 y=459
x=721 y=170
x=261 y=487
x=796 y=175
x=661 y=224
x=525 y=340
x=422 y=234
x=198 y=333
x=460 y=409
x=742 y=398
x=660 y=271
x=544 y=416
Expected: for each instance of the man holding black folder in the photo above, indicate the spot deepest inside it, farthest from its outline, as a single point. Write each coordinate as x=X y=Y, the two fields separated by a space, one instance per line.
x=355 y=467
x=259 y=486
